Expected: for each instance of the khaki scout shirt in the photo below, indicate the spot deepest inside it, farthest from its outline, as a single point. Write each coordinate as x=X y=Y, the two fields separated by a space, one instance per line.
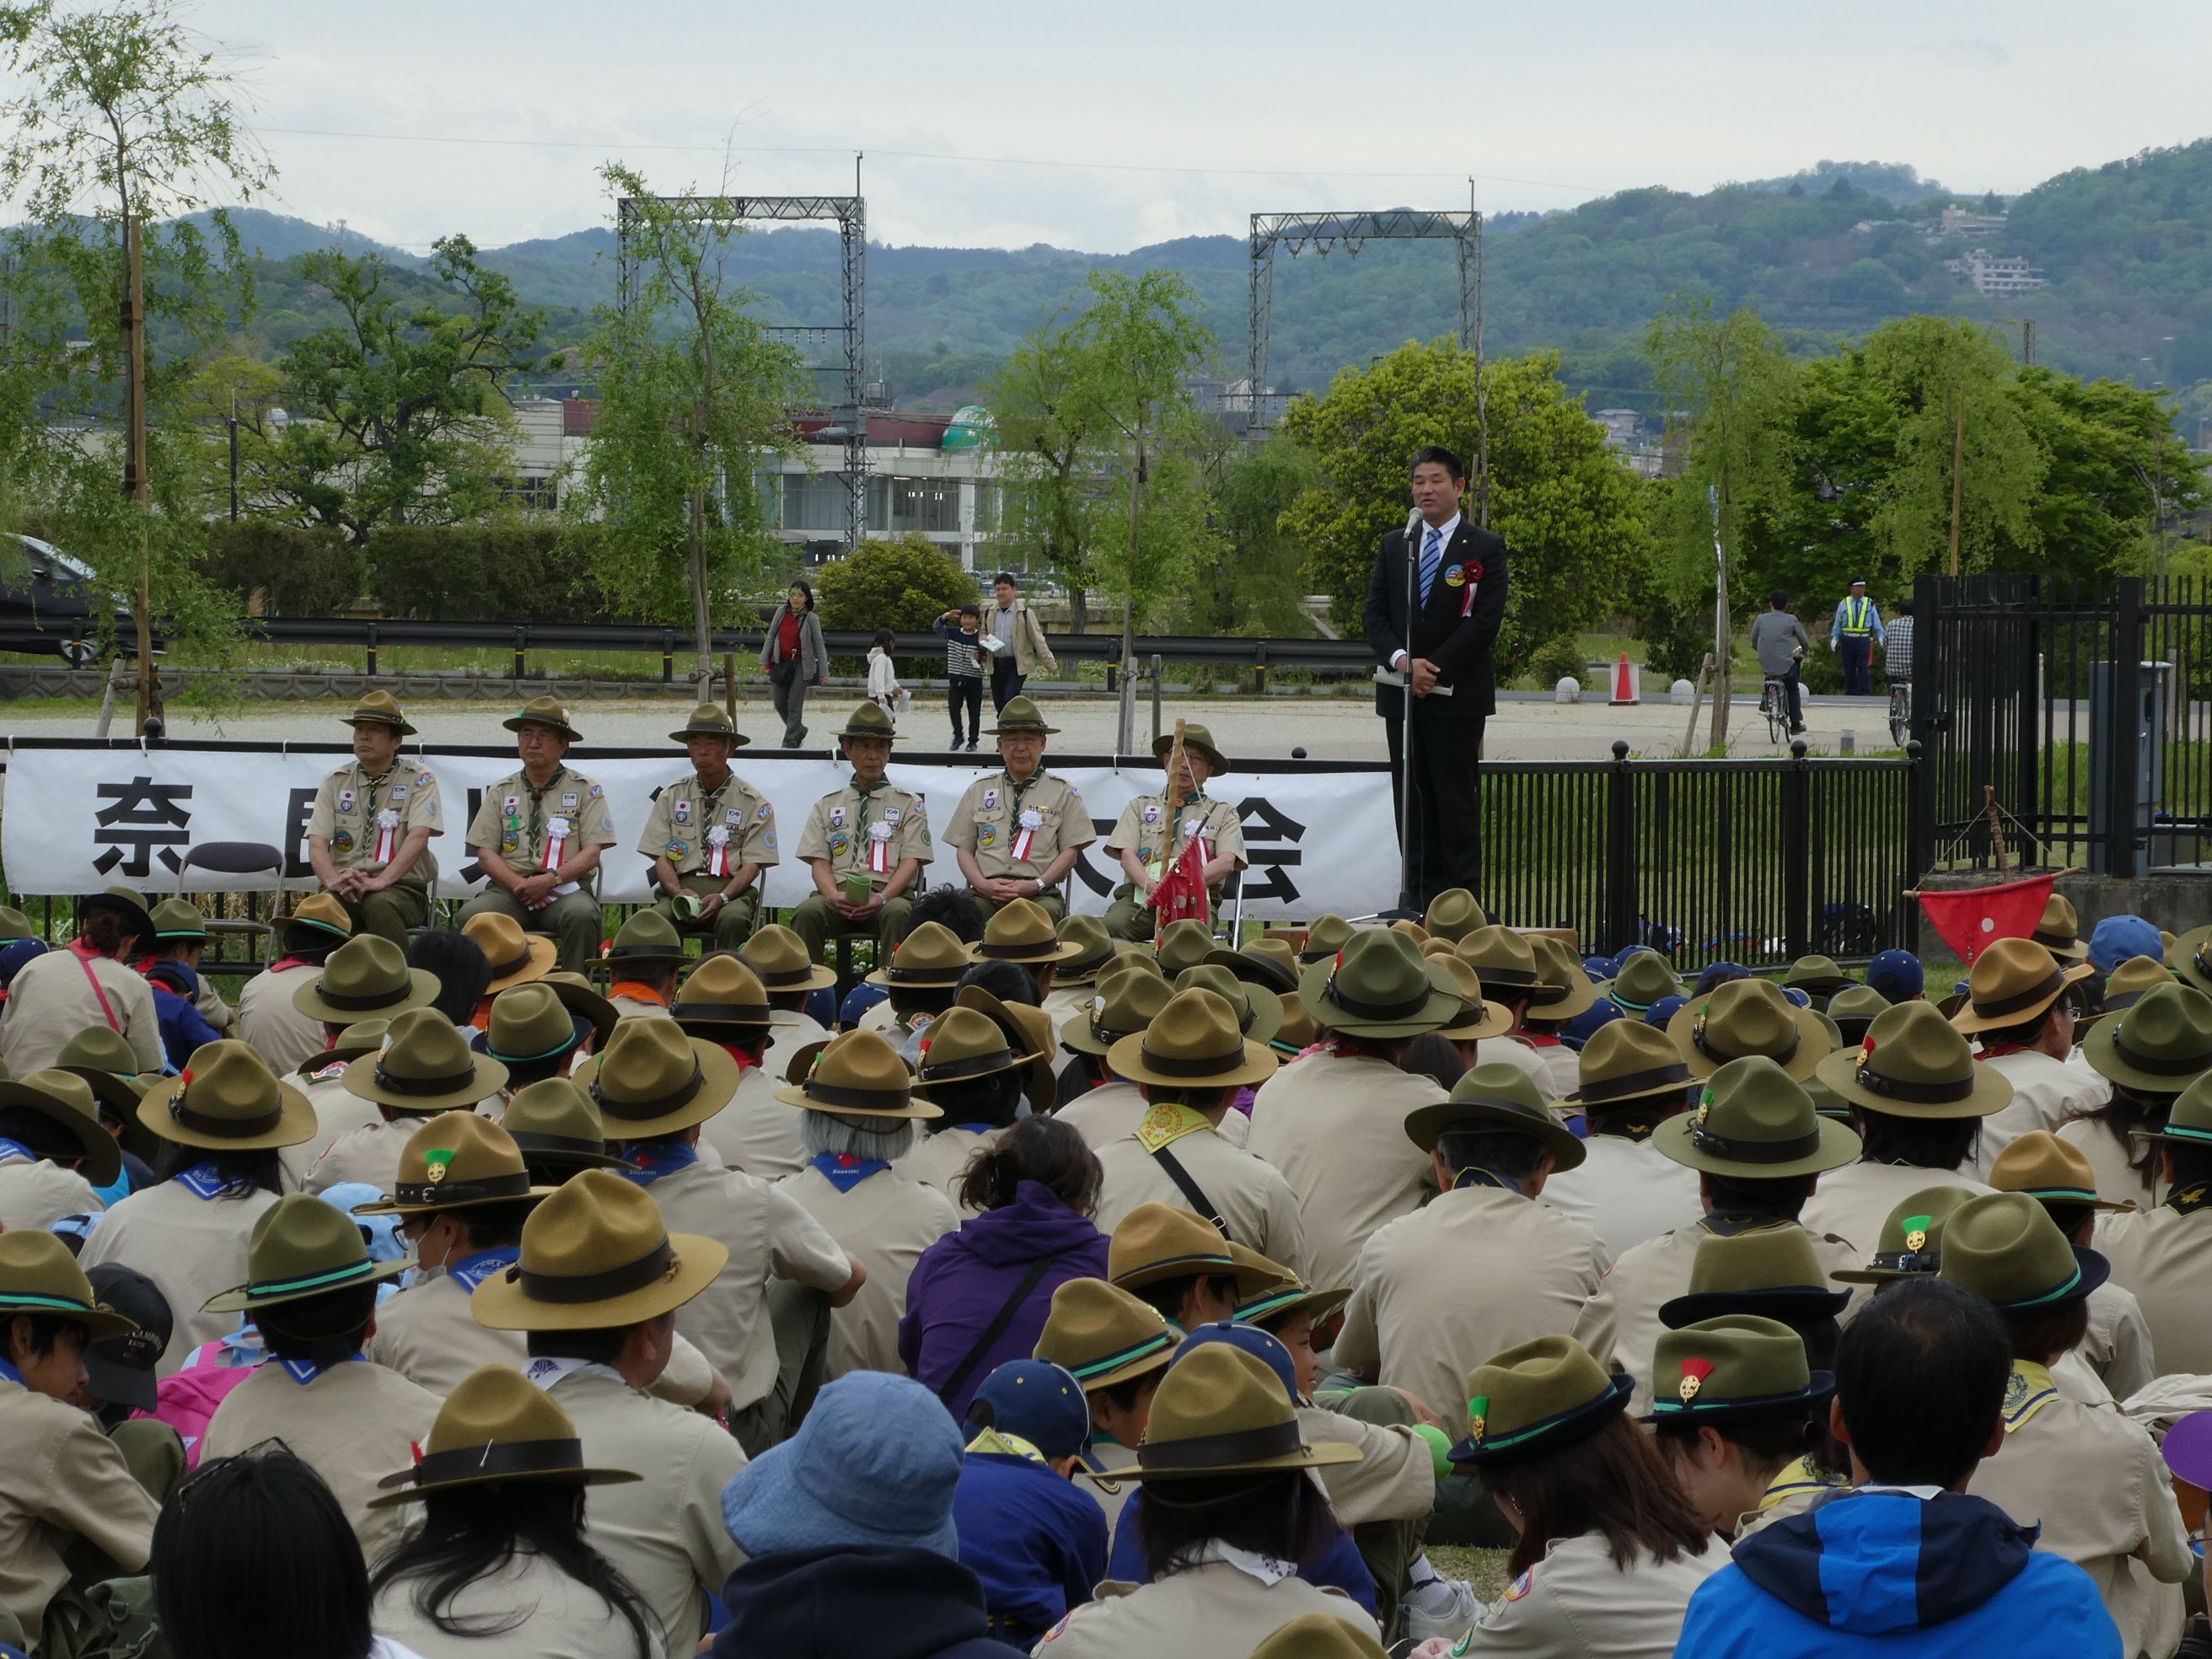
x=1626 y=1192
x=1206 y=1612
x=1576 y=1604
x=370 y=1154
x=758 y=1133
x=1853 y=1202
x=2165 y=1256
x=940 y=1160
x=353 y=1424
x=61 y=1480
x=193 y=1248
x=990 y=818
x=512 y=820
x=562 y=1617
x=52 y=1000
x=2046 y=1094
x=2118 y=1345
x=1394 y=1480
x=686 y=813
x=427 y=1335
x=1105 y=1114
x=348 y=804
x=1250 y=1197
x=1424 y=1312
x=2119 y=1180
x=35 y=1193
x=884 y=1224
x=1156 y=836
x=339 y=1113
x=840 y=826
x=271 y=1026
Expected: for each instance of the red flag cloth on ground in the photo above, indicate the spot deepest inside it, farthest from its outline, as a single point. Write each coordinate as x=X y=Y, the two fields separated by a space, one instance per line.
x=1975 y=918
x=1181 y=896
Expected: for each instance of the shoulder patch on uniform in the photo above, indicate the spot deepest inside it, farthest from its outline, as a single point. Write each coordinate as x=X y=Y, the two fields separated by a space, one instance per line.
x=1521 y=1586
x=1057 y=1628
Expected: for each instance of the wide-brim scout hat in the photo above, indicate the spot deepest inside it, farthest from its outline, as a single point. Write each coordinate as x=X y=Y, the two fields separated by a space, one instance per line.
x=2189 y=956
x=66 y=1100
x=1913 y=1063
x=1536 y=1398
x=557 y=1127
x=2159 y=1046
x=932 y=958
x=1747 y=1017
x=2189 y=1123
x=1021 y=716
x=458 y=1161
x=869 y=720
x=596 y=1256
x=858 y=1074
x=2059 y=931
x=1626 y=1060
x=1027 y=1031
x=1221 y=1410
x=544 y=711
x=363 y=1037
x=379 y=708
x=515 y=957
x=2013 y=982
x=779 y=961
x=174 y=919
x=1378 y=986
x=1298 y=1032
x=1496 y=1097
x=1023 y=933
x=530 y=1025
x=1504 y=961
x=2126 y=986
x=301 y=1247
x=1477 y=1018
x=1102 y=1335
x=1259 y=1014
x=1853 y=1009
x=424 y=1068
x=1911 y=1239
x=1753 y=1123
x=651 y=1080
x=647 y=939
x=1411 y=929
x=2005 y=1247
x=316 y=920
x=1818 y=976
x=1270 y=964
x=1771 y=1272
x=1319 y=1636
x=1184 y=944
x=1194 y=736
x=365 y=978
x=38 y=1275
x=1286 y=1293
x=126 y=904
x=1122 y=1005
x=1155 y=1241
x=1331 y=933
x=496 y=1427
x=578 y=997
x=227 y=1100
x=1195 y=1043
x=2054 y=1172
x=1643 y=980
x=109 y=1066
x=722 y=994
x=1094 y=948
x=708 y=720
x=1563 y=989
x=1453 y=915
x=1735 y=1368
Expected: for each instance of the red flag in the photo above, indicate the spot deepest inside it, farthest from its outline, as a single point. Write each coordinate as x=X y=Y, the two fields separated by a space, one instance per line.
x=1975 y=918
x=1181 y=893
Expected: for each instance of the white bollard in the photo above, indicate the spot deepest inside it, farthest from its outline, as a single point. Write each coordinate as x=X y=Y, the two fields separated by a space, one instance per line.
x=1569 y=689
x=1682 y=691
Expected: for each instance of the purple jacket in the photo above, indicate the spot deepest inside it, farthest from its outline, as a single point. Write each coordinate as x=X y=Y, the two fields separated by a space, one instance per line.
x=964 y=1279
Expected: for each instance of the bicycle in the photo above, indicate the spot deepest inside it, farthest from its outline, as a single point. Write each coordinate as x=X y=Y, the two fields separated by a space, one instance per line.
x=1774 y=703
x=1900 y=712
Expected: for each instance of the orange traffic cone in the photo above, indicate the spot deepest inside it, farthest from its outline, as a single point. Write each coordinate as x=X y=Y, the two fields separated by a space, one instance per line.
x=1626 y=683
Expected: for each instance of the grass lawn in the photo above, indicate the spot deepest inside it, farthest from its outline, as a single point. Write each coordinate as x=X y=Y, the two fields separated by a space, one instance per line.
x=1484 y=1569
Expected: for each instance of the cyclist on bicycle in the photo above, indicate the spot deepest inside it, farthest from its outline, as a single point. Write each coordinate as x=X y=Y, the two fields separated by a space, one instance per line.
x=1780 y=641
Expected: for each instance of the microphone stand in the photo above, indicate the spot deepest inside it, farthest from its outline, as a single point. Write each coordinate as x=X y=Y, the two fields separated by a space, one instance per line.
x=1408 y=895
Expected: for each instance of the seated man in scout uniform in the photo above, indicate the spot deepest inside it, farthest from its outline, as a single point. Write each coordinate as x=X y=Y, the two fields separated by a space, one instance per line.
x=539 y=835
x=866 y=843
x=368 y=836
x=1019 y=833
x=643 y=959
x=710 y=835
x=423 y=1069
x=1153 y=831
x=2020 y=1019
x=723 y=1003
x=364 y=986
x=53 y=1150
x=2118 y=1348
x=1128 y=998
x=1631 y=1080
x=2162 y=1254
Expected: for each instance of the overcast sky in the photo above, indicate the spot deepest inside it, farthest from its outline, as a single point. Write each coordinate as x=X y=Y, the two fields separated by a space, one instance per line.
x=1160 y=120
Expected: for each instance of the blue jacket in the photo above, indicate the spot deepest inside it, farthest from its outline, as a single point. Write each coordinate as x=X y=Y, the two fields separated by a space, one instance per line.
x=1342 y=1568
x=1886 y=1574
x=184 y=1028
x=1037 y=1543
x=863 y=1601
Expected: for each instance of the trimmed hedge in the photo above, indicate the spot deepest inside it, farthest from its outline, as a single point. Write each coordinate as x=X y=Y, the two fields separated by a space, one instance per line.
x=514 y=571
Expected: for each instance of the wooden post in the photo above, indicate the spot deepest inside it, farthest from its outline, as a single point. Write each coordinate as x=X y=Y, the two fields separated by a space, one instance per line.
x=730 y=685
x=1697 y=700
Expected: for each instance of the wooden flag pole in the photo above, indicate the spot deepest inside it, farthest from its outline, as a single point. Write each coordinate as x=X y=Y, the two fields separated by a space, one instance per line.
x=1997 y=831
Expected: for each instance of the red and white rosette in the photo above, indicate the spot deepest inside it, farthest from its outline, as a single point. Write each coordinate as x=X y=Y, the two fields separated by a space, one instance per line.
x=1026 y=827
x=1193 y=833
x=387 y=832
x=718 y=850
x=556 y=844
x=879 y=849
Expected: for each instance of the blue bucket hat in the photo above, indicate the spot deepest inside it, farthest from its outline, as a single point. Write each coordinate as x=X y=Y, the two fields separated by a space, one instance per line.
x=1717 y=974
x=875 y=1463
x=1036 y=1401
x=2119 y=938
x=1253 y=1340
x=1898 y=975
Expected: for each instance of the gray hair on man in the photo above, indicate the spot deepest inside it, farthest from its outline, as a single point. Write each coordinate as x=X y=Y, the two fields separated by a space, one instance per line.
x=846 y=1135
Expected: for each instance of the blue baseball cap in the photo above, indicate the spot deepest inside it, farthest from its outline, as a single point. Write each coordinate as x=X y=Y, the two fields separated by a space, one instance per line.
x=1795 y=996
x=15 y=954
x=2119 y=938
x=1255 y=1341
x=1601 y=967
x=1583 y=1026
x=1898 y=975
x=1664 y=1010
x=1036 y=1401
x=1717 y=974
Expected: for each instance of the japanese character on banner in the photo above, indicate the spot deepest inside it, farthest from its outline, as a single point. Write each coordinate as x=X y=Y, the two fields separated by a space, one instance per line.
x=1271 y=844
x=143 y=814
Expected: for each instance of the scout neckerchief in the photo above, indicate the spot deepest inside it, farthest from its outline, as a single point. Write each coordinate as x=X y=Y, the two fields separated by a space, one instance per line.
x=637 y=993
x=472 y=1271
x=205 y=1181
x=2027 y=1391
x=1026 y=824
x=1802 y=1476
x=1479 y=1177
x=717 y=835
x=2190 y=1199
x=844 y=1171
x=1724 y=1225
x=997 y=1442
x=9 y=1374
x=15 y=1149
x=548 y=1370
x=877 y=847
x=304 y=1371
x=657 y=1158
x=1267 y=1568
x=1165 y=1122
x=554 y=845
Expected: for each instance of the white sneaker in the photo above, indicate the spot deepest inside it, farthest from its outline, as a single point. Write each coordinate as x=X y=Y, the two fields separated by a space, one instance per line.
x=1440 y=1607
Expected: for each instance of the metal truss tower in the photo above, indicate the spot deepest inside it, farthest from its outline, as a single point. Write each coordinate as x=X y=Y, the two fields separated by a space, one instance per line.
x=850 y=215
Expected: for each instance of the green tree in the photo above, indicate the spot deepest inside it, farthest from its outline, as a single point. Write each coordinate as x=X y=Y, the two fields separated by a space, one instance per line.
x=1255 y=585
x=694 y=394
x=1051 y=506
x=904 y=584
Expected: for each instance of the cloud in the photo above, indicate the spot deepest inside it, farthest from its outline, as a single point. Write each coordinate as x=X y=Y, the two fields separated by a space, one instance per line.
x=1969 y=52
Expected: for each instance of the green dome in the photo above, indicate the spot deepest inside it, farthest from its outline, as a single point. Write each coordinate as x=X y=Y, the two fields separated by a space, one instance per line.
x=972 y=427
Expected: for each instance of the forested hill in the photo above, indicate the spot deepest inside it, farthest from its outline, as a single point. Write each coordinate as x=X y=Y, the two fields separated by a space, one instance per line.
x=2126 y=247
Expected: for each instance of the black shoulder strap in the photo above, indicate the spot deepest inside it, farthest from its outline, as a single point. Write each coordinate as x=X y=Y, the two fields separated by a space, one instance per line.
x=949 y=1389
x=1191 y=1190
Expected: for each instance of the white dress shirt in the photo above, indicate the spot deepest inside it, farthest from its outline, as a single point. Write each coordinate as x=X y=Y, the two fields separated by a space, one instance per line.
x=1445 y=532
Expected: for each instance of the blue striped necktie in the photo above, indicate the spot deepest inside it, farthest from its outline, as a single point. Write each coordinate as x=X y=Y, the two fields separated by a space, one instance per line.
x=1431 y=555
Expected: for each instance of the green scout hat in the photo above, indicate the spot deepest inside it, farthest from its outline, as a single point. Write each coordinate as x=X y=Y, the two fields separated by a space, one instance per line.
x=126 y=904
x=1094 y=948
x=315 y=921
x=66 y=1100
x=1851 y=1010
x=869 y=720
x=1378 y=986
x=721 y=994
x=1504 y=961
x=38 y=1275
x=1319 y=1636
x=1911 y=1237
x=1104 y=1335
x=1021 y=932
x=15 y=925
x=1747 y=1017
x=530 y=1025
x=1826 y=1101
x=1330 y=934
x=2059 y=931
x=1221 y=1410
x=557 y=1127
x=578 y=997
x=2190 y=1122
x=1477 y=1018
x=2004 y=1246
x=1563 y=989
x=1122 y=1004
x=596 y=1256
x=779 y=960
x=2012 y=982
x=1196 y=1042
x=1537 y=1398
x=1021 y=715
x=652 y=1080
x=300 y=1248
x=457 y=1161
x=647 y=938
x=496 y=1427
x=363 y=1037
x=104 y=1058
x=1818 y=977
x=1194 y=736
x=379 y=708
x=1737 y=1368
x=1259 y=1013
x=1453 y=915
x=544 y=711
x=1754 y=1123
x=1183 y=944
x=1913 y=1063
x=365 y=978
x=2159 y=1046
x=1027 y=1031
x=710 y=720
x=858 y=1074
x=424 y=1068
x=515 y=957
x=1155 y=1241
x=1286 y=1293
x=1496 y=1097
x=174 y=919
x=228 y=1100
x=2189 y=956
x=2054 y=1172
x=2127 y=985
x=1771 y=1272
x=1644 y=979
x=1267 y=962
x=1626 y=1060
x=932 y=958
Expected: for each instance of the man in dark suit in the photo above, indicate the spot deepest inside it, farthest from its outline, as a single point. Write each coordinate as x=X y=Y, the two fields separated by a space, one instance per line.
x=1459 y=599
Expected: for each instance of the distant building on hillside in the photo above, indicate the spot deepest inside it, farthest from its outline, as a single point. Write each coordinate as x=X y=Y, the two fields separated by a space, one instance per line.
x=1993 y=275
x=1964 y=222
x=1619 y=426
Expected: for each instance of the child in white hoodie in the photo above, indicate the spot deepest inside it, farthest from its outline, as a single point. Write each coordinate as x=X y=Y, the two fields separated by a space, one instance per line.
x=883 y=678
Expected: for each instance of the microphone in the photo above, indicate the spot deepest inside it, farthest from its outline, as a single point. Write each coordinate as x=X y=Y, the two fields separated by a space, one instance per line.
x=1413 y=528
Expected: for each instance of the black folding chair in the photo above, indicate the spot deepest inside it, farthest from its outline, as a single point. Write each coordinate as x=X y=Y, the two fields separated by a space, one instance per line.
x=233 y=858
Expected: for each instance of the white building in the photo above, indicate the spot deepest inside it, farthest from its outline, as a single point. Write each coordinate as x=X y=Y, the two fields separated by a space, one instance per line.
x=1993 y=276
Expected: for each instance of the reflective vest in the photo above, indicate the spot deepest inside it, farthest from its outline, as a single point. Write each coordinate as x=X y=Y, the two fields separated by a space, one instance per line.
x=1857 y=618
